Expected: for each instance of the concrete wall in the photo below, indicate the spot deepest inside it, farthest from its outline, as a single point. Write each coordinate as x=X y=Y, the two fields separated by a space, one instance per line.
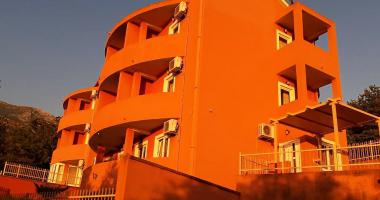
x=338 y=185
x=146 y=180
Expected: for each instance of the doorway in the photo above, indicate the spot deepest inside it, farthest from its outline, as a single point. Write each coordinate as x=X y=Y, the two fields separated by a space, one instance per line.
x=290 y=153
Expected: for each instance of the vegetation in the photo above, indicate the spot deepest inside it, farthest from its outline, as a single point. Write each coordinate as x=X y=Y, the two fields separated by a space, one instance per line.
x=27 y=135
x=368 y=101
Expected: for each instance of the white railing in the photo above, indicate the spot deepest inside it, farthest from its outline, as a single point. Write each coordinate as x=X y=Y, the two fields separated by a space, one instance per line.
x=101 y=194
x=353 y=157
x=25 y=171
x=39 y=174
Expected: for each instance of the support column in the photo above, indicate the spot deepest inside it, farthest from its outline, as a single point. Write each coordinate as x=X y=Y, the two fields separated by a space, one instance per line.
x=131 y=34
x=125 y=86
x=128 y=141
x=378 y=126
x=136 y=81
x=336 y=134
x=122 y=173
x=301 y=83
x=298 y=23
x=143 y=31
x=332 y=41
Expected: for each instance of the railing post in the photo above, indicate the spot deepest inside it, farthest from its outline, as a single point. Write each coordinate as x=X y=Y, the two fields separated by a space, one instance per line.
x=5 y=167
x=43 y=176
x=18 y=170
x=240 y=163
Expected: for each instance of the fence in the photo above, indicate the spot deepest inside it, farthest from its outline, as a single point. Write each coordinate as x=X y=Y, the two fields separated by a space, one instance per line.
x=353 y=157
x=102 y=194
x=25 y=171
x=72 y=178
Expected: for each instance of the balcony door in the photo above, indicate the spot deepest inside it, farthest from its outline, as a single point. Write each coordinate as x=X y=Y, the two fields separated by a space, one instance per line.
x=290 y=154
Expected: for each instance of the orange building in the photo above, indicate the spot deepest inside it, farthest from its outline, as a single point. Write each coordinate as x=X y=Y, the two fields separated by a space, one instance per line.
x=193 y=85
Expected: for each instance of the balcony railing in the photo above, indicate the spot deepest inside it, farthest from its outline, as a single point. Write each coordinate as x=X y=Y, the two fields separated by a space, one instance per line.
x=39 y=174
x=352 y=157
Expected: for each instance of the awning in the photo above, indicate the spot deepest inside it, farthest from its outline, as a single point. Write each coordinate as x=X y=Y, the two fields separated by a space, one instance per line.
x=319 y=119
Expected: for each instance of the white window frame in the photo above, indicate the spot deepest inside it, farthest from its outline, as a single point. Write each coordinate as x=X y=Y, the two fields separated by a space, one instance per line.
x=156 y=152
x=290 y=89
x=167 y=80
x=175 y=25
x=137 y=152
x=283 y=35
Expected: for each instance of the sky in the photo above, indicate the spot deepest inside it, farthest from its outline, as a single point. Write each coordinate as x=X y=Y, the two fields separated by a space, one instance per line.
x=51 y=48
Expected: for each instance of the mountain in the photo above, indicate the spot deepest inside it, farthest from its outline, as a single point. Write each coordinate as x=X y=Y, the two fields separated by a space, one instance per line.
x=27 y=135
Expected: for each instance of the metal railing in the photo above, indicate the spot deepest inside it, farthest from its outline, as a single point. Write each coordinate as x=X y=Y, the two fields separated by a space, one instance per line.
x=39 y=174
x=101 y=194
x=25 y=171
x=353 y=157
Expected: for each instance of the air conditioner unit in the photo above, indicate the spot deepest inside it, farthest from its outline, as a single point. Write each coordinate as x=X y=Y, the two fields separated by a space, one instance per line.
x=266 y=131
x=175 y=65
x=180 y=11
x=171 y=127
x=94 y=94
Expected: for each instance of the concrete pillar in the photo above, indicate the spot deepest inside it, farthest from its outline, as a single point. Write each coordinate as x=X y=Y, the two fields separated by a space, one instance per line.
x=332 y=41
x=301 y=83
x=125 y=86
x=298 y=23
x=143 y=31
x=136 y=81
x=122 y=172
x=128 y=141
x=131 y=34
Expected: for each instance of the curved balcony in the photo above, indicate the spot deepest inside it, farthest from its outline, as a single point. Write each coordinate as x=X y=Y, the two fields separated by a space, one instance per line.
x=149 y=56
x=164 y=10
x=75 y=120
x=144 y=112
x=69 y=153
x=84 y=93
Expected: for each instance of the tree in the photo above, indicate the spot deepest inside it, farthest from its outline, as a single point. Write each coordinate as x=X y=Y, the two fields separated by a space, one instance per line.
x=368 y=101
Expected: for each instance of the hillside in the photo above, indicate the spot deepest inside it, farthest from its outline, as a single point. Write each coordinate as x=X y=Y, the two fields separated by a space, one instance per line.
x=26 y=135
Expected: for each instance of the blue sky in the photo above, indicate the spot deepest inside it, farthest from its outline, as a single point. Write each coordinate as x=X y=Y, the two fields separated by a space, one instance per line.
x=50 y=48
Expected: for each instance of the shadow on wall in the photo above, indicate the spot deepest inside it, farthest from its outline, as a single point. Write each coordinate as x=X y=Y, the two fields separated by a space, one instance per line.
x=313 y=186
x=102 y=175
x=188 y=190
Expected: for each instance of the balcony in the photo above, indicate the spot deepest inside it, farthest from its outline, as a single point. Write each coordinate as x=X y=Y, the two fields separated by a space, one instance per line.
x=144 y=112
x=145 y=56
x=70 y=153
x=307 y=27
x=76 y=120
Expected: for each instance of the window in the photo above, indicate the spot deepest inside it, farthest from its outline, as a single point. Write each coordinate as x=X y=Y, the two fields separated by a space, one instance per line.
x=141 y=150
x=286 y=94
x=174 y=28
x=169 y=83
x=161 y=146
x=283 y=39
